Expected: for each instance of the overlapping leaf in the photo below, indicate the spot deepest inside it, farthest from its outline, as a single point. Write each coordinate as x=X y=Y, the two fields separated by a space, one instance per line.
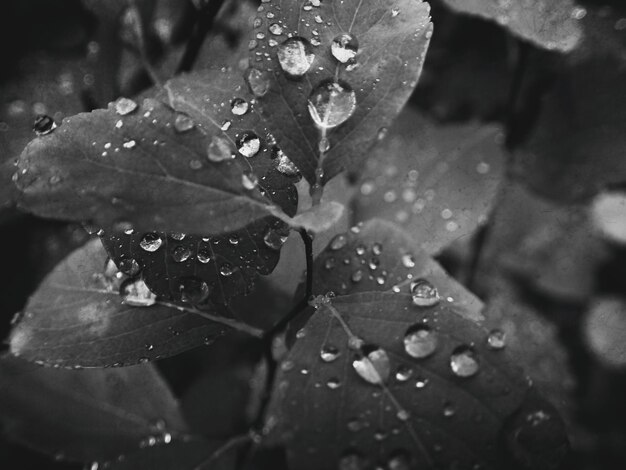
x=78 y=318
x=552 y=24
x=439 y=183
x=392 y=42
x=86 y=415
x=375 y=380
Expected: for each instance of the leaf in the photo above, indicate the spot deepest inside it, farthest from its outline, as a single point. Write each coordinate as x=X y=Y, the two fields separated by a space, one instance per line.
x=575 y=150
x=604 y=330
x=134 y=164
x=380 y=257
x=77 y=318
x=438 y=182
x=183 y=455
x=319 y=218
x=85 y=415
x=392 y=42
x=608 y=213
x=549 y=24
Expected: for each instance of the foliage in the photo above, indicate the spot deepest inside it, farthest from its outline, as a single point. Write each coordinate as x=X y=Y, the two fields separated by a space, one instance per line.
x=299 y=253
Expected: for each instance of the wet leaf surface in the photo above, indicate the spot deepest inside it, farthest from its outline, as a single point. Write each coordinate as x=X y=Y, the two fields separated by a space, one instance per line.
x=438 y=182
x=78 y=318
x=604 y=329
x=375 y=64
x=86 y=415
x=549 y=24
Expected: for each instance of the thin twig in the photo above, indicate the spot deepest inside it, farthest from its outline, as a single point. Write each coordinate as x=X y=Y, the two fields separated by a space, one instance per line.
x=199 y=33
x=228 y=445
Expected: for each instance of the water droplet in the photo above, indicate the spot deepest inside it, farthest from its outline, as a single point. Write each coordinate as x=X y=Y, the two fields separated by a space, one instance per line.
x=181 y=253
x=285 y=165
x=496 y=339
x=276 y=29
x=403 y=415
x=204 y=255
x=331 y=104
x=403 y=373
x=248 y=144
x=129 y=266
x=338 y=242
x=408 y=261
x=420 y=341
x=399 y=460
x=136 y=294
x=351 y=461
x=464 y=362
x=424 y=293
x=344 y=48
x=258 y=82
x=374 y=367
x=249 y=181
x=129 y=144
x=329 y=353
x=193 y=290
x=239 y=106
x=183 y=123
x=124 y=106
x=333 y=383
x=448 y=410
x=151 y=242
x=219 y=149
x=421 y=383
x=295 y=56
x=274 y=239
x=177 y=236
x=44 y=125
x=226 y=269
x=357 y=275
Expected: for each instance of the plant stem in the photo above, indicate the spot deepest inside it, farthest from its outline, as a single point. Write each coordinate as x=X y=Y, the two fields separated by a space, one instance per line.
x=201 y=29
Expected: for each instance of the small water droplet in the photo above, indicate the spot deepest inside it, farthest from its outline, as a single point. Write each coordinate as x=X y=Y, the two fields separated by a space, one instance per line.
x=129 y=144
x=464 y=362
x=258 y=82
x=181 y=253
x=249 y=181
x=424 y=293
x=274 y=239
x=338 y=242
x=44 y=125
x=204 y=255
x=183 y=123
x=129 y=266
x=276 y=29
x=124 y=106
x=374 y=367
x=151 y=242
x=448 y=410
x=193 y=290
x=403 y=373
x=136 y=294
x=344 y=47
x=351 y=461
x=329 y=353
x=219 y=149
x=331 y=104
x=295 y=56
x=239 y=106
x=408 y=261
x=248 y=144
x=399 y=460
x=226 y=270
x=420 y=341
x=496 y=339
x=333 y=383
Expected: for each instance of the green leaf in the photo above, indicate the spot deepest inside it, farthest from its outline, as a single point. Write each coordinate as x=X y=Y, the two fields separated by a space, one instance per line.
x=88 y=414
x=438 y=182
x=78 y=318
x=551 y=24
x=392 y=41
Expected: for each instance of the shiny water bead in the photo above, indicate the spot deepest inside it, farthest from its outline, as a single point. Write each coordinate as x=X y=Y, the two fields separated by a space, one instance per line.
x=403 y=373
x=420 y=341
x=124 y=106
x=496 y=339
x=183 y=123
x=329 y=353
x=249 y=181
x=219 y=149
x=136 y=294
x=399 y=460
x=351 y=461
x=374 y=367
x=239 y=106
x=193 y=290
x=129 y=266
x=408 y=261
x=248 y=144
x=226 y=269
x=151 y=242
x=276 y=29
x=285 y=165
x=273 y=239
x=181 y=253
x=177 y=236
x=344 y=48
x=204 y=255
x=295 y=56
x=464 y=362
x=258 y=82
x=338 y=242
x=44 y=125
x=331 y=104
x=424 y=294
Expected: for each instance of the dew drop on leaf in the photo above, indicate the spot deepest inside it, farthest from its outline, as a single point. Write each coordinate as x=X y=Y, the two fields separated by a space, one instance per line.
x=219 y=149
x=285 y=165
x=273 y=239
x=403 y=373
x=420 y=341
x=129 y=266
x=424 y=294
x=136 y=294
x=226 y=269
x=124 y=106
x=204 y=255
x=193 y=290
x=374 y=367
x=333 y=383
x=181 y=253
x=249 y=181
x=151 y=242
x=338 y=242
x=351 y=461
x=464 y=362
x=44 y=125
x=295 y=56
x=248 y=144
x=276 y=29
x=257 y=81
x=177 y=236
x=408 y=261
x=329 y=353
x=399 y=460
x=496 y=339
x=239 y=106
x=344 y=47
x=183 y=123
x=331 y=104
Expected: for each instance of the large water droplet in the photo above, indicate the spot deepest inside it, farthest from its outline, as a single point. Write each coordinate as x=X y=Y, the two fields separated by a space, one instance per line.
x=285 y=165
x=248 y=144
x=420 y=341
x=239 y=106
x=464 y=362
x=258 y=82
x=424 y=293
x=219 y=149
x=136 y=294
x=374 y=367
x=295 y=56
x=331 y=104
x=344 y=48
x=151 y=242
x=44 y=125
x=193 y=290
x=124 y=106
